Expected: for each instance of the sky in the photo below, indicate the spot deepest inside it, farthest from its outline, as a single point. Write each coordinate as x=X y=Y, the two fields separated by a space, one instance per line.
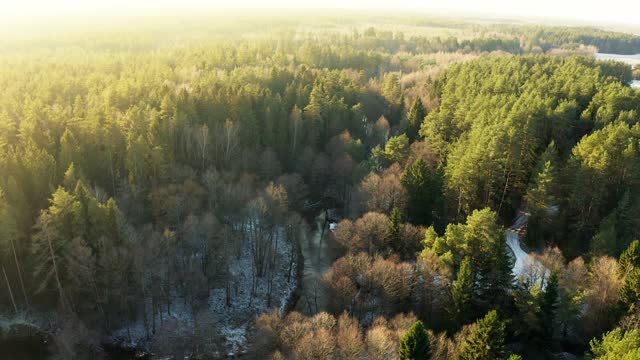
x=611 y=11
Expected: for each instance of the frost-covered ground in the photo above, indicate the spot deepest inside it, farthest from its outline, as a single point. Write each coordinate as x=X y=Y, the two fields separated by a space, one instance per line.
x=513 y=240
x=22 y=318
x=27 y=322
x=236 y=319
x=230 y=324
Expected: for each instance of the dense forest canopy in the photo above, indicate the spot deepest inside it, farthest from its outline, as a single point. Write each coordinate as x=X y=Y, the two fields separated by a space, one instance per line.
x=156 y=186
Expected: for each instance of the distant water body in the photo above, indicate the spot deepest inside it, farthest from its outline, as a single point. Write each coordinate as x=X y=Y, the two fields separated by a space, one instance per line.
x=627 y=59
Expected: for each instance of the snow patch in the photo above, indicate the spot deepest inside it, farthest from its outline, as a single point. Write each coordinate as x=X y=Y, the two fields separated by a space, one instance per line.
x=513 y=240
x=19 y=319
x=232 y=319
x=525 y=266
x=235 y=337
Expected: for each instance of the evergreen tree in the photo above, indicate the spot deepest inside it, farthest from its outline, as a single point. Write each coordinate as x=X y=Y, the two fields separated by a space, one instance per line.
x=487 y=250
x=462 y=293
x=486 y=341
x=393 y=231
x=53 y=233
x=618 y=229
x=527 y=297
x=630 y=290
x=631 y=256
x=415 y=116
x=392 y=92
x=71 y=177
x=548 y=306
x=70 y=151
x=599 y=181
x=9 y=234
x=396 y=149
x=616 y=345
x=424 y=193
x=540 y=197
x=414 y=345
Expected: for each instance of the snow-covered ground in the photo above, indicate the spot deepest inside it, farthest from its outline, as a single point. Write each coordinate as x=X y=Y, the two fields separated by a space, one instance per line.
x=243 y=305
x=232 y=322
x=513 y=240
x=525 y=266
x=34 y=318
x=20 y=319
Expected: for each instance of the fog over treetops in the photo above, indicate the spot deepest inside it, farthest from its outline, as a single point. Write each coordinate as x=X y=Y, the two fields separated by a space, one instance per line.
x=327 y=184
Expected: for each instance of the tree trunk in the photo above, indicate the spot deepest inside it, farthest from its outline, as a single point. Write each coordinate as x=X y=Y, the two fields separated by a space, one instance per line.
x=15 y=256
x=295 y=138
x=144 y=306
x=97 y=296
x=253 y=285
x=153 y=315
x=113 y=176
x=13 y=301
x=55 y=270
x=504 y=190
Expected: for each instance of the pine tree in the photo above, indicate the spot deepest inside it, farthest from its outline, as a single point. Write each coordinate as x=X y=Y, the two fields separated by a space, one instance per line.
x=630 y=290
x=424 y=192
x=462 y=293
x=391 y=90
x=70 y=150
x=415 y=116
x=631 y=256
x=295 y=122
x=548 y=306
x=53 y=233
x=541 y=195
x=9 y=233
x=617 y=344
x=489 y=256
x=80 y=272
x=486 y=341
x=71 y=177
x=393 y=230
x=414 y=345
x=497 y=279
x=618 y=229
x=396 y=149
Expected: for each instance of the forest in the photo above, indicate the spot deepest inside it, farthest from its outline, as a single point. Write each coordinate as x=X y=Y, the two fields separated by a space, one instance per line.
x=164 y=190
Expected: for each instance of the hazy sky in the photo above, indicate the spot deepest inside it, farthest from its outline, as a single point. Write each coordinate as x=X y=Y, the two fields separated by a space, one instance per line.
x=619 y=11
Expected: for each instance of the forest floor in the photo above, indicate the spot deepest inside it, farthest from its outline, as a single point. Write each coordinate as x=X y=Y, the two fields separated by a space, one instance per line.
x=225 y=325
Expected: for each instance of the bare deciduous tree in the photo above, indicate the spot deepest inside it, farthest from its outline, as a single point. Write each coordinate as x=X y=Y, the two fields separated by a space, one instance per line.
x=349 y=338
x=603 y=288
x=384 y=192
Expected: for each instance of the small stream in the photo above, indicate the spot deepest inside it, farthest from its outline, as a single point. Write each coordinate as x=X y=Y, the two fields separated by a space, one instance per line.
x=525 y=266
x=319 y=250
